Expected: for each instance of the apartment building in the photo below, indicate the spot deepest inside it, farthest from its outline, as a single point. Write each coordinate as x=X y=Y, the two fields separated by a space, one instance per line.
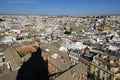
x=105 y=67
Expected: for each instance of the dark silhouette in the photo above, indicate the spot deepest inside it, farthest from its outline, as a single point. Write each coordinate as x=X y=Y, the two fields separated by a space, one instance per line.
x=34 y=69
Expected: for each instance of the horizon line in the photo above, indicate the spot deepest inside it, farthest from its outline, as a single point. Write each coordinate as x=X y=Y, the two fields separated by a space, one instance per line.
x=114 y=14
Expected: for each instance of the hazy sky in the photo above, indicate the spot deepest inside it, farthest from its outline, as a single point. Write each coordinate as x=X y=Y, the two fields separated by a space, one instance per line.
x=60 y=7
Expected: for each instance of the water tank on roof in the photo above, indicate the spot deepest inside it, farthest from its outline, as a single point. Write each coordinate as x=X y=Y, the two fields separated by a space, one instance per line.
x=111 y=61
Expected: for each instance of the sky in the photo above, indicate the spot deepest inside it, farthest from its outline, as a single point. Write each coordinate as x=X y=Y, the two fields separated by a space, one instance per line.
x=60 y=7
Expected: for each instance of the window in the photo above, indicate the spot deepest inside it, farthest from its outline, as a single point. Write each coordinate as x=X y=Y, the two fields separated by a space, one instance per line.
x=117 y=79
x=94 y=72
x=94 y=67
x=103 y=78
x=103 y=72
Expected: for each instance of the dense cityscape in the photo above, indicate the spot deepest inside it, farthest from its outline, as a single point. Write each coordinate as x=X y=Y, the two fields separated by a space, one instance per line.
x=74 y=47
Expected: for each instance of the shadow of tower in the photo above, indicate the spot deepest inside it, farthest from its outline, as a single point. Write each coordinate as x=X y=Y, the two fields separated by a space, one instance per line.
x=34 y=69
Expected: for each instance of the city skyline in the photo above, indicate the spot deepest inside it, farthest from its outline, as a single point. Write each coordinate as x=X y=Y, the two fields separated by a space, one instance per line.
x=60 y=7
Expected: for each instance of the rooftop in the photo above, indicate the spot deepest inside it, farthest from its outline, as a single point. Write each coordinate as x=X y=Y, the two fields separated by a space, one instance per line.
x=12 y=56
x=73 y=73
x=61 y=61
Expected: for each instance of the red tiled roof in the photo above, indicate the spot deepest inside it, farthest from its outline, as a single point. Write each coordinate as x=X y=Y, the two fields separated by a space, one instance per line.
x=26 y=49
x=35 y=46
